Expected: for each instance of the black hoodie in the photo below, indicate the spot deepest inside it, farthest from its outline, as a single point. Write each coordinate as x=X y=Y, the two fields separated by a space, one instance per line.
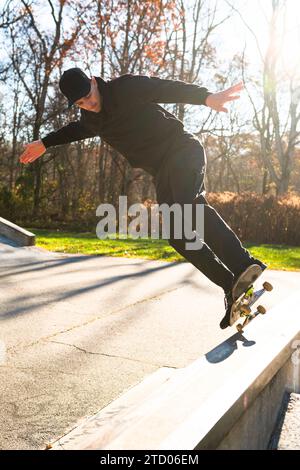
x=130 y=119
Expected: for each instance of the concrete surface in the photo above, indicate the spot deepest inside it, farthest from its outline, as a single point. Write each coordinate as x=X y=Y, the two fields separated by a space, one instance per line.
x=17 y=234
x=78 y=331
x=225 y=400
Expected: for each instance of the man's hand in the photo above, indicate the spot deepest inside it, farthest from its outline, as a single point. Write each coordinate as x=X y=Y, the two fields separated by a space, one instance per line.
x=32 y=151
x=217 y=101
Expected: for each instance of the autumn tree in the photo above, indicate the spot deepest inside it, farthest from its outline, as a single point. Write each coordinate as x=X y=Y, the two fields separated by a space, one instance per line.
x=37 y=45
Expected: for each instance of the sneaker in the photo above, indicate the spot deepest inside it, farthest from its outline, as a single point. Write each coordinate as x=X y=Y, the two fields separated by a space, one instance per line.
x=228 y=301
x=246 y=278
x=262 y=265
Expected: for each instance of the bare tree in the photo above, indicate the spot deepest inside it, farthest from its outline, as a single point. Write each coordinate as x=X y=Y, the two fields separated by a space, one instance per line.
x=35 y=51
x=278 y=128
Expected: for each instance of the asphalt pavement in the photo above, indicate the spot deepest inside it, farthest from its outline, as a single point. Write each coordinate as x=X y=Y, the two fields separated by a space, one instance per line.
x=78 y=331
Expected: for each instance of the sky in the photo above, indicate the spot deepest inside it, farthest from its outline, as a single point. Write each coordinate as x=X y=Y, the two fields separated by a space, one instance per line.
x=234 y=36
x=256 y=14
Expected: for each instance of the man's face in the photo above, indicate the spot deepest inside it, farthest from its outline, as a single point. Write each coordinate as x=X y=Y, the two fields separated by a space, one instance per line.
x=91 y=102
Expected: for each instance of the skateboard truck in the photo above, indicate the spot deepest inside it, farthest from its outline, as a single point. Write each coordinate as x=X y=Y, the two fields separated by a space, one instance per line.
x=246 y=301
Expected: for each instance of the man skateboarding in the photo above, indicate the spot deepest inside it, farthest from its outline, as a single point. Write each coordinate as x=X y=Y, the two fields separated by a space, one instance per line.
x=125 y=113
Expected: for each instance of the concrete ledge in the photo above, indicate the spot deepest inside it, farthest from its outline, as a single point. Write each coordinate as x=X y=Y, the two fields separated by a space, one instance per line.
x=228 y=399
x=15 y=233
x=115 y=414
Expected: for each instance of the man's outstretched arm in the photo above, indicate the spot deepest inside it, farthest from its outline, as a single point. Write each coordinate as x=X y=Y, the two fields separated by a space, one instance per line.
x=142 y=89
x=74 y=131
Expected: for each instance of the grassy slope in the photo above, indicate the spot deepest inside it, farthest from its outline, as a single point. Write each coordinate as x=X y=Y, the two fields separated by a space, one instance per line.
x=276 y=256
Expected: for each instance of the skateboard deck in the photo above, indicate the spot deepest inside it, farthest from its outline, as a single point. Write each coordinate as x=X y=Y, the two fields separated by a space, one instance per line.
x=241 y=308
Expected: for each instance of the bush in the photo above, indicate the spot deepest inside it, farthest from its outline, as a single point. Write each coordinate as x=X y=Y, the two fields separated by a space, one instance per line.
x=260 y=218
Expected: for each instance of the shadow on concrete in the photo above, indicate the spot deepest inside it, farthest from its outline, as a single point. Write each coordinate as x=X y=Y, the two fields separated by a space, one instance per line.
x=227 y=348
x=18 y=301
x=48 y=263
x=7 y=241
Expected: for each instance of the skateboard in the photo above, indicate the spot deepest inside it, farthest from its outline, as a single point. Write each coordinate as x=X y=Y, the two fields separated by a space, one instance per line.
x=241 y=308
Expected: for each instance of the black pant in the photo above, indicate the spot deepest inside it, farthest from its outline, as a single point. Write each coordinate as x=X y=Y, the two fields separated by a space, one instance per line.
x=180 y=179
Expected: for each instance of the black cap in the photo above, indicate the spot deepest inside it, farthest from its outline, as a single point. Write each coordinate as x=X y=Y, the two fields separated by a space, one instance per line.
x=74 y=84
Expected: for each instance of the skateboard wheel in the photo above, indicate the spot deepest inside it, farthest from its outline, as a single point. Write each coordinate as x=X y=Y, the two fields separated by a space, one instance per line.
x=267 y=286
x=261 y=309
x=239 y=327
x=245 y=310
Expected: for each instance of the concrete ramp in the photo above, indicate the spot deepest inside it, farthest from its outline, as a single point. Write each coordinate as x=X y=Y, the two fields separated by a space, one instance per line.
x=228 y=399
x=16 y=234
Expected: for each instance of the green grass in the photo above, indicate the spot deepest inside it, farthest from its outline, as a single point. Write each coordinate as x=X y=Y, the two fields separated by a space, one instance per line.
x=276 y=256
